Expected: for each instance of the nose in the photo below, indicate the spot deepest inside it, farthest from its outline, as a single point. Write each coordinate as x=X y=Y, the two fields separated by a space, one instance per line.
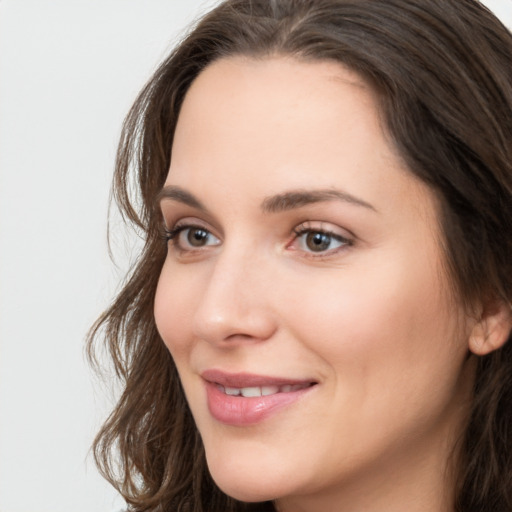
x=235 y=306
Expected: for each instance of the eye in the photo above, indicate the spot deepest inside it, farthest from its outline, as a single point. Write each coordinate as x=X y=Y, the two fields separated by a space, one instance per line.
x=319 y=241
x=189 y=238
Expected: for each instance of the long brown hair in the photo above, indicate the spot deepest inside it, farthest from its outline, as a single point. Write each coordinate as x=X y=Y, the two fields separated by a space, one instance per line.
x=442 y=70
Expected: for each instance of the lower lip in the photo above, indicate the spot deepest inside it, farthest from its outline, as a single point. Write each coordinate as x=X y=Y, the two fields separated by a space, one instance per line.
x=240 y=411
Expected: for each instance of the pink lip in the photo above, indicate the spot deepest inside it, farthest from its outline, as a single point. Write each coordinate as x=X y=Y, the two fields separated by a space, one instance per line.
x=244 y=411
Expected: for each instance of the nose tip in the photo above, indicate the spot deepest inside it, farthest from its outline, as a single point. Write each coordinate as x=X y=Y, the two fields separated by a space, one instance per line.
x=231 y=326
x=233 y=309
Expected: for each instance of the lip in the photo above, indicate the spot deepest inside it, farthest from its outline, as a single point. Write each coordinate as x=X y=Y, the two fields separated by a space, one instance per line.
x=244 y=411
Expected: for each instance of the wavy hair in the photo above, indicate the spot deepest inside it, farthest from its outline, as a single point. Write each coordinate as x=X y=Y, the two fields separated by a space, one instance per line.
x=442 y=71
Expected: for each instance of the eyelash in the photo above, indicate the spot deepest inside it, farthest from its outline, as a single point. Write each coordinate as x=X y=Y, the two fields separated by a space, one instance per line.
x=172 y=235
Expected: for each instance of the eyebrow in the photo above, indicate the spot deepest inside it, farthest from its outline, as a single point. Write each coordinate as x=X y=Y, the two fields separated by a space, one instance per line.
x=179 y=194
x=298 y=198
x=272 y=204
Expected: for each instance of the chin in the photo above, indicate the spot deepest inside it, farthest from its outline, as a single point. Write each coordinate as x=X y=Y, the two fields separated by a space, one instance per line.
x=247 y=482
x=245 y=493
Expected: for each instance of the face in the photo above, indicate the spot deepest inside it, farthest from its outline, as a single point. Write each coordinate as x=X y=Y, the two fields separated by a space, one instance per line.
x=304 y=298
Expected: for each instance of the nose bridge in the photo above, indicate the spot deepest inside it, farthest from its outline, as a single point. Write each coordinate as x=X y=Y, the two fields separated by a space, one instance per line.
x=234 y=304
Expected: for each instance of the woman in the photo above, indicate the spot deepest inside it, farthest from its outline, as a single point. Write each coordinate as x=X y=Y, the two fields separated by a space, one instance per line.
x=320 y=314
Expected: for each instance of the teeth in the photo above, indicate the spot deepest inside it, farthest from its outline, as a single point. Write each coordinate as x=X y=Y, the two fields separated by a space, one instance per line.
x=269 y=390
x=251 y=392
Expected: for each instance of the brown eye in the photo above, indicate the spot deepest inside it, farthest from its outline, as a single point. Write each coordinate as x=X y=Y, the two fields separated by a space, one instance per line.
x=188 y=238
x=317 y=241
x=197 y=237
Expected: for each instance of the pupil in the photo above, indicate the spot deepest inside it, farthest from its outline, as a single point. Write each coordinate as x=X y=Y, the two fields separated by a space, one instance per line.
x=197 y=237
x=318 y=241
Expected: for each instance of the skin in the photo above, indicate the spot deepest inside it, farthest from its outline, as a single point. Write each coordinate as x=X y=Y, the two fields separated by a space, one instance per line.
x=371 y=319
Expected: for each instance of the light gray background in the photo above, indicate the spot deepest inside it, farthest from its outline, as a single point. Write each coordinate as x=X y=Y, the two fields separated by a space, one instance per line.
x=69 y=70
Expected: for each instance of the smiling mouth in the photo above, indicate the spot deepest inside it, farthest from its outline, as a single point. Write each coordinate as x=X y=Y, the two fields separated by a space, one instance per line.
x=258 y=391
x=244 y=399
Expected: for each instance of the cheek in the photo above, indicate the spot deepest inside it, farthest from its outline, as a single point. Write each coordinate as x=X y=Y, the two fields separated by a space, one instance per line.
x=174 y=308
x=390 y=329
x=360 y=307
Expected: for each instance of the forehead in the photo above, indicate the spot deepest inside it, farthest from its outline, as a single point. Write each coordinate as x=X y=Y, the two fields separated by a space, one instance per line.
x=265 y=95
x=281 y=123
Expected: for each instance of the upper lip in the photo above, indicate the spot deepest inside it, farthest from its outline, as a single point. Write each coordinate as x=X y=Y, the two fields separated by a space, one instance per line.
x=246 y=380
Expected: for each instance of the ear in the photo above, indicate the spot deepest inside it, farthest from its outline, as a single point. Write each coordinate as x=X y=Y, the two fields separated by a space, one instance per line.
x=492 y=329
